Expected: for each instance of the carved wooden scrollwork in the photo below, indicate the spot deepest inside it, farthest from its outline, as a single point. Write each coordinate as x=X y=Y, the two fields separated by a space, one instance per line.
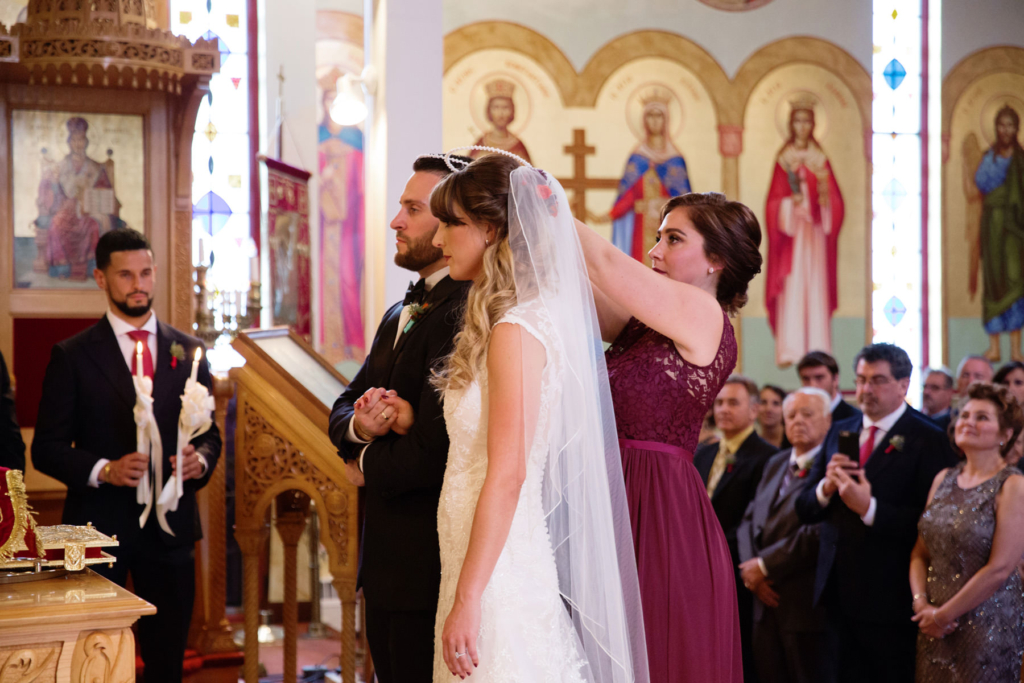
x=270 y=459
x=31 y=664
x=104 y=657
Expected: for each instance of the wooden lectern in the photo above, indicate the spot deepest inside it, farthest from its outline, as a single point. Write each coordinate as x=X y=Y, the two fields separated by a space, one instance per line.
x=73 y=628
x=285 y=394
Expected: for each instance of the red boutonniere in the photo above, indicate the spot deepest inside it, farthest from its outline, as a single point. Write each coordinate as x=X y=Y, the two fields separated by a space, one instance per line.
x=895 y=444
x=177 y=353
x=802 y=474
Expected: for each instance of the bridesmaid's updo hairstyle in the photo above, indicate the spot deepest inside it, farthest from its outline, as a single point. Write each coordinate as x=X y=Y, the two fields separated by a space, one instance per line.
x=1008 y=411
x=732 y=238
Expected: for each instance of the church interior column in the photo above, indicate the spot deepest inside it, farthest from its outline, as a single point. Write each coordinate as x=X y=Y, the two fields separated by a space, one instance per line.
x=404 y=43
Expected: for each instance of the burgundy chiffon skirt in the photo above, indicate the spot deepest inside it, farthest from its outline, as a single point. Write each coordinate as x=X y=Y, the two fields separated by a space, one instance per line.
x=686 y=576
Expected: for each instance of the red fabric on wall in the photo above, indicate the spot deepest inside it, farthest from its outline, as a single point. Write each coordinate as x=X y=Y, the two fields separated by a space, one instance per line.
x=33 y=340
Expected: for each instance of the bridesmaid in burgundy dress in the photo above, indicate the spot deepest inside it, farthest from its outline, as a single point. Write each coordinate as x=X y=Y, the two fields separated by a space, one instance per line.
x=672 y=349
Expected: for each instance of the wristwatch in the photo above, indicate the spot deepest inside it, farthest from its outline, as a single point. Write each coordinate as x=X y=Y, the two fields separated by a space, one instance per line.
x=106 y=472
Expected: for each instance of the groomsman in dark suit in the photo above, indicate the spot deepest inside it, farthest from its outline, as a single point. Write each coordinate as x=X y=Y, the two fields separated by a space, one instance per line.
x=402 y=470
x=869 y=506
x=819 y=369
x=779 y=554
x=86 y=438
x=731 y=470
x=12 y=447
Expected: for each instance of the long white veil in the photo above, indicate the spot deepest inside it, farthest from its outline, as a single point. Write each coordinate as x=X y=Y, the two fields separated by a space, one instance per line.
x=583 y=492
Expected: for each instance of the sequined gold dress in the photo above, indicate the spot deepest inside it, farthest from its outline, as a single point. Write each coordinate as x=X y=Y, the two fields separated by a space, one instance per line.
x=988 y=645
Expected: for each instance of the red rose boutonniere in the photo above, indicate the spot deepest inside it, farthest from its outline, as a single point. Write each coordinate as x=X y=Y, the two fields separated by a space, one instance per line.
x=730 y=462
x=895 y=444
x=802 y=474
x=177 y=353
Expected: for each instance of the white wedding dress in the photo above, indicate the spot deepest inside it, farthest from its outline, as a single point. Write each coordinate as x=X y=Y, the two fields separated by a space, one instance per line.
x=526 y=635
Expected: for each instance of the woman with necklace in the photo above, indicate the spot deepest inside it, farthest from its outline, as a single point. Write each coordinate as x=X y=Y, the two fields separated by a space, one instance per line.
x=968 y=596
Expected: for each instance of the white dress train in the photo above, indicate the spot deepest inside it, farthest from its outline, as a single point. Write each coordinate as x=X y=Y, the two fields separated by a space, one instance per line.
x=525 y=631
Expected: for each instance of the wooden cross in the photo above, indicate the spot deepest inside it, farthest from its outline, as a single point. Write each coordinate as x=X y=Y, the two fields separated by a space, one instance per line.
x=579 y=183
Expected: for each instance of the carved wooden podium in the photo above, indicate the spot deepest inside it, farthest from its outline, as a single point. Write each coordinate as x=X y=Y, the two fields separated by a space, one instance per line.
x=282 y=452
x=74 y=628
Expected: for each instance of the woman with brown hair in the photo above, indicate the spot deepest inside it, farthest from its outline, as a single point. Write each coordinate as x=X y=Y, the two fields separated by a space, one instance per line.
x=968 y=596
x=672 y=349
x=533 y=514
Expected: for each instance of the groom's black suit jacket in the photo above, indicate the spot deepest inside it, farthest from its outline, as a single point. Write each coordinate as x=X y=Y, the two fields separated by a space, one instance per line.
x=400 y=563
x=86 y=414
x=869 y=566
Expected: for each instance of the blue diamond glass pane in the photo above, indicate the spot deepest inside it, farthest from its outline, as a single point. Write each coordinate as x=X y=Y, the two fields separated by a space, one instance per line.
x=894 y=311
x=211 y=164
x=894 y=73
x=894 y=194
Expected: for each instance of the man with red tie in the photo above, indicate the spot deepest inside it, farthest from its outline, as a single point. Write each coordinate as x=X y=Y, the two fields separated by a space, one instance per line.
x=86 y=438
x=869 y=511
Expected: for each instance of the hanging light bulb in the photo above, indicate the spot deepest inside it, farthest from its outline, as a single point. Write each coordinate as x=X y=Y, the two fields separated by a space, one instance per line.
x=349 y=106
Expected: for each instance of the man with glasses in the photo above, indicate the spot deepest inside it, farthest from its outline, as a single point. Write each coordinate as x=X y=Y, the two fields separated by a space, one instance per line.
x=869 y=503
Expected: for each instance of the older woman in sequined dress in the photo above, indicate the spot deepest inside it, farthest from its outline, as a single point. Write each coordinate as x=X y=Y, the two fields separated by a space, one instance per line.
x=968 y=598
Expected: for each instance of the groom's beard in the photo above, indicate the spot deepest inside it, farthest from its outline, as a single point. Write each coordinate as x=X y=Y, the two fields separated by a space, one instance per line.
x=419 y=254
x=133 y=311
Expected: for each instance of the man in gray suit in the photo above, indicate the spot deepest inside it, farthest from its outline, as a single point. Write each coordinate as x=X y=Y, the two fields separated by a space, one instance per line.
x=779 y=555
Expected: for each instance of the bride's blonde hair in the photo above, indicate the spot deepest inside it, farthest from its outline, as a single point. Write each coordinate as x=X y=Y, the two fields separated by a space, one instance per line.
x=481 y=190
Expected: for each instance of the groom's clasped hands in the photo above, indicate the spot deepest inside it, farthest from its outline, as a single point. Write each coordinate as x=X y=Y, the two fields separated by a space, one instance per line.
x=379 y=411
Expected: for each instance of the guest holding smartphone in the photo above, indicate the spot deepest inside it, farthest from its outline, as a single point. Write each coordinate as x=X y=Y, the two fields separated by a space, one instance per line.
x=869 y=509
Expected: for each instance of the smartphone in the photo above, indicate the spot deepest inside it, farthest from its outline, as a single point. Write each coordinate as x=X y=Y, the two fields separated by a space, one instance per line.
x=849 y=445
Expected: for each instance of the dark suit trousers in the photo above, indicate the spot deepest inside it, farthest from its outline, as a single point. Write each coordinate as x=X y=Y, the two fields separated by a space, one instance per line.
x=165 y=577
x=792 y=657
x=875 y=653
x=401 y=644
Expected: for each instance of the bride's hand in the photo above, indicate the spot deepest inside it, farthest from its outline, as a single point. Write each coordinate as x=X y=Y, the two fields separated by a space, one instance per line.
x=459 y=638
x=404 y=415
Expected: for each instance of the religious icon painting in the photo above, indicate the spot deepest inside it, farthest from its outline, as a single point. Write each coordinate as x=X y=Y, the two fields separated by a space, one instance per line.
x=339 y=51
x=495 y=98
x=288 y=242
x=804 y=171
x=983 y=240
x=76 y=177
x=670 y=150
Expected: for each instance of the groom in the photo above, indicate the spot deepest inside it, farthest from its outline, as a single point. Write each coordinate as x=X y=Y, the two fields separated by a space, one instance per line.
x=400 y=567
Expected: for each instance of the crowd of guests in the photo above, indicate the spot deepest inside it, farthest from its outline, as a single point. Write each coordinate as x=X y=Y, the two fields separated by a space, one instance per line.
x=874 y=542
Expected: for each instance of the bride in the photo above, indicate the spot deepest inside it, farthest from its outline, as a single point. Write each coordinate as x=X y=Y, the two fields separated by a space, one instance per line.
x=538 y=577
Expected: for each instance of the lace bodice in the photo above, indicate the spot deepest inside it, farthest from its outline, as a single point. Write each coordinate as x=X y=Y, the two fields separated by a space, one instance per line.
x=659 y=395
x=525 y=633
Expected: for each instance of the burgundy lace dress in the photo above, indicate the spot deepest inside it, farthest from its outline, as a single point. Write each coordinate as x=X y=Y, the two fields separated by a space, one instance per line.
x=686 y=576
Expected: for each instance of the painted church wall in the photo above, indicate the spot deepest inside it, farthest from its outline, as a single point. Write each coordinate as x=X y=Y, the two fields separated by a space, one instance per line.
x=581 y=27
x=972 y=25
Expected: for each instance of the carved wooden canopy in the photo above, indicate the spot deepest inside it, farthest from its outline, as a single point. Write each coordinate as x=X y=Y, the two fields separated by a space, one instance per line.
x=109 y=43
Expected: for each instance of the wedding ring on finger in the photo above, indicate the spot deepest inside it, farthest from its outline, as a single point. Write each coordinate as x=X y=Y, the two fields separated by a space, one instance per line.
x=459 y=654
x=383 y=415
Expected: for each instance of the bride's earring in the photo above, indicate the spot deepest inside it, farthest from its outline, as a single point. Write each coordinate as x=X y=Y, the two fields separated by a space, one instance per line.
x=711 y=271
x=487 y=242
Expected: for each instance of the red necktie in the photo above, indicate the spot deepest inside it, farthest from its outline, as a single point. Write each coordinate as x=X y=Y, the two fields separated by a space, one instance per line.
x=868 y=446
x=147 y=359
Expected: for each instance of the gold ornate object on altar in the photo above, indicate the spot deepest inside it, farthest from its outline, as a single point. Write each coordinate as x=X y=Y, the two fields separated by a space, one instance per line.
x=72 y=548
x=104 y=42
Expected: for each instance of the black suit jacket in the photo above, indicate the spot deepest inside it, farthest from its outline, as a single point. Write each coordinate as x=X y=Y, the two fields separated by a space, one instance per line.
x=12 y=447
x=944 y=420
x=400 y=563
x=85 y=414
x=736 y=488
x=869 y=566
x=772 y=531
x=845 y=411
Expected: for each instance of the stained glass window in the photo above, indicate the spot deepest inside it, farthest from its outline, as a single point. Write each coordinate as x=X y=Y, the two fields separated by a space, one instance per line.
x=896 y=265
x=220 y=148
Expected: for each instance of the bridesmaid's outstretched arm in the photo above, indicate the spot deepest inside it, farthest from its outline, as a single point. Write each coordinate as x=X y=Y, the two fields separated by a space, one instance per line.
x=515 y=360
x=688 y=315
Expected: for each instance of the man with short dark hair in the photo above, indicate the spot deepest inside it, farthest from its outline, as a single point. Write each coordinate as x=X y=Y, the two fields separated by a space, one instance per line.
x=86 y=438
x=400 y=563
x=819 y=369
x=869 y=506
x=937 y=396
x=731 y=470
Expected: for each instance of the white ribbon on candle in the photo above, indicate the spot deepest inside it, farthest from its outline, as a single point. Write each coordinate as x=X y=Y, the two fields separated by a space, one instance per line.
x=147 y=436
x=195 y=419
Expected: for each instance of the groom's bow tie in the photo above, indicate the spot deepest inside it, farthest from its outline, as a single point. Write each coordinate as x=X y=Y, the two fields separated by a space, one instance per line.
x=415 y=293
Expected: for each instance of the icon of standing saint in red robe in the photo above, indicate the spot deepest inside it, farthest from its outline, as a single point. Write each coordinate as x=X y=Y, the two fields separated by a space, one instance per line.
x=803 y=218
